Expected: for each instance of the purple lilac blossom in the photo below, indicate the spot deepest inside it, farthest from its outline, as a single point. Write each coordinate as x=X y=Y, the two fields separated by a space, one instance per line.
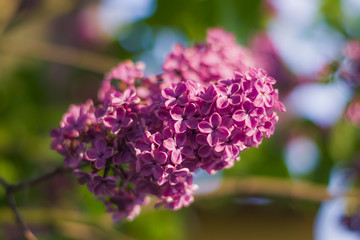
x=205 y=109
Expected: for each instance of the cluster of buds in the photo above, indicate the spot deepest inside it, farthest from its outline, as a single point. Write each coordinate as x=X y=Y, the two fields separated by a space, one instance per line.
x=150 y=135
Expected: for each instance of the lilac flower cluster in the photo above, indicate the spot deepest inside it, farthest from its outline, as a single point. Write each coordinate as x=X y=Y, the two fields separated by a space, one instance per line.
x=138 y=143
x=218 y=58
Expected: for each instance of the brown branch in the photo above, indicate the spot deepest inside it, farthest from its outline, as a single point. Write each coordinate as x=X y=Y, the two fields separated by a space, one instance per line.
x=58 y=54
x=33 y=181
x=279 y=187
x=12 y=188
x=8 y=10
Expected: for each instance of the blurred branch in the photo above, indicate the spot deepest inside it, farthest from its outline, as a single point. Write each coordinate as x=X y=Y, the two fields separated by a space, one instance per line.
x=25 y=231
x=7 y=12
x=58 y=54
x=42 y=178
x=70 y=221
x=267 y=186
x=263 y=186
x=12 y=188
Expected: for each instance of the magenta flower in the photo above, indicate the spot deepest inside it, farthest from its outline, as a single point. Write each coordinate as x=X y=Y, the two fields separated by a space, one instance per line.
x=230 y=146
x=84 y=178
x=176 y=96
x=103 y=185
x=100 y=153
x=228 y=95
x=178 y=175
x=265 y=96
x=75 y=121
x=177 y=147
x=205 y=108
x=213 y=129
x=248 y=114
x=184 y=118
x=74 y=157
x=151 y=164
x=117 y=121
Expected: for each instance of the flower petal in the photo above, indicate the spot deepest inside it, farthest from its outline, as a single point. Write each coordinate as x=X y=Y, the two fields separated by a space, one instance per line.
x=204 y=151
x=160 y=157
x=100 y=163
x=212 y=139
x=180 y=126
x=204 y=127
x=191 y=123
x=100 y=145
x=222 y=102
x=180 y=89
x=215 y=120
x=190 y=110
x=180 y=139
x=223 y=132
x=235 y=99
x=91 y=154
x=167 y=93
x=176 y=157
x=170 y=144
x=176 y=113
x=239 y=115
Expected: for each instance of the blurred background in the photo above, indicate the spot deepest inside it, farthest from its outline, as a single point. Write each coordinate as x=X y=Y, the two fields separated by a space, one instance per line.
x=294 y=186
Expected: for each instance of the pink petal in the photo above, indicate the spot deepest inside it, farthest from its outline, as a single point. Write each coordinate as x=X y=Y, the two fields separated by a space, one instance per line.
x=222 y=102
x=147 y=157
x=126 y=122
x=176 y=113
x=180 y=126
x=223 y=132
x=180 y=89
x=120 y=113
x=176 y=157
x=259 y=100
x=250 y=122
x=205 y=127
x=167 y=93
x=180 y=139
x=215 y=120
x=239 y=115
x=160 y=157
x=187 y=151
x=190 y=110
x=204 y=151
x=100 y=163
x=234 y=88
x=170 y=103
x=108 y=152
x=191 y=123
x=170 y=144
x=157 y=171
x=235 y=99
x=212 y=139
x=219 y=147
x=100 y=145
x=91 y=154
x=98 y=189
x=147 y=170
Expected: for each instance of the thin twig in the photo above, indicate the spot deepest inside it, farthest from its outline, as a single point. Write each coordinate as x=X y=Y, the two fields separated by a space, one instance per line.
x=10 y=10
x=26 y=232
x=4 y=183
x=12 y=188
x=36 y=180
x=59 y=54
x=269 y=186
